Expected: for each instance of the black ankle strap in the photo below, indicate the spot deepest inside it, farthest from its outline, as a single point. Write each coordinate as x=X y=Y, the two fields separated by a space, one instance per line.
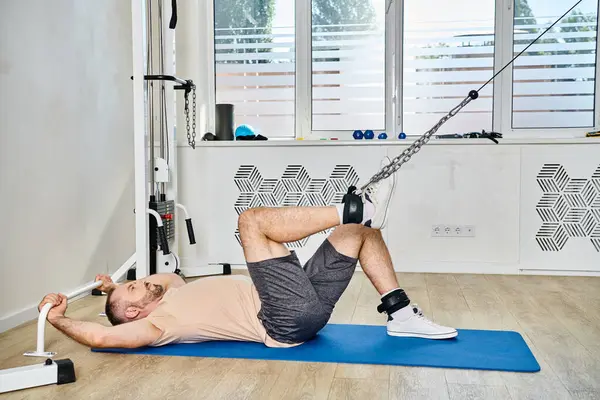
x=392 y=302
x=353 y=207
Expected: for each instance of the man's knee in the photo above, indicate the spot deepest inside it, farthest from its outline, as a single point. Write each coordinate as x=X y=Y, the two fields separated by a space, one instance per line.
x=351 y=229
x=248 y=227
x=248 y=221
x=372 y=233
x=355 y=230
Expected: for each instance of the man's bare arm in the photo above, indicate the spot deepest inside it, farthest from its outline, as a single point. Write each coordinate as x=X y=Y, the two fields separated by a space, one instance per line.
x=130 y=335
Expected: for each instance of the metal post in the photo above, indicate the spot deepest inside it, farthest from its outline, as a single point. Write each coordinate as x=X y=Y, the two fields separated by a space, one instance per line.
x=150 y=89
x=171 y=189
x=162 y=103
x=140 y=142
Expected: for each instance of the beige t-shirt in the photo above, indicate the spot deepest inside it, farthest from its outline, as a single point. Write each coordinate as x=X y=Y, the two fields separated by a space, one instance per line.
x=214 y=308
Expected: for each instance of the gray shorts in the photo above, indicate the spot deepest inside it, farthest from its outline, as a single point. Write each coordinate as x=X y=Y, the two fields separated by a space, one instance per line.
x=297 y=301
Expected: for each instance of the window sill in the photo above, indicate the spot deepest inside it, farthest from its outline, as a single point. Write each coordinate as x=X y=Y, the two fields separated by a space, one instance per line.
x=394 y=142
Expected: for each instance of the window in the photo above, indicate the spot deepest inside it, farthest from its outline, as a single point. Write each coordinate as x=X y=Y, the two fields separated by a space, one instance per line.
x=554 y=81
x=448 y=51
x=348 y=65
x=322 y=68
x=255 y=63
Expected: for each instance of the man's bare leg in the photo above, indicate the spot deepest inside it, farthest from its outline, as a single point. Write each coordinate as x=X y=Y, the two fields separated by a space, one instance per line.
x=368 y=246
x=264 y=230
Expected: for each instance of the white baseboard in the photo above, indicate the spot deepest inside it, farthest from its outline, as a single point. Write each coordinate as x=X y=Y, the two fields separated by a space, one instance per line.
x=18 y=318
x=31 y=313
x=443 y=268
x=28 y=314
x=491 y=269
x=459 y=268
x=556 y=272
x=205 y=270
x=475 y=268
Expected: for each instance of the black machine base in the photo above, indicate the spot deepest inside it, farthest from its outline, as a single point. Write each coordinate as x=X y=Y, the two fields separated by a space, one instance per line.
x=131 y=275
x=66 y=371
x=226 y=269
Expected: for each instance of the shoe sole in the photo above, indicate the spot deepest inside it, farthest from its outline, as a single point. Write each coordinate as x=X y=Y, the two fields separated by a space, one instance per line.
x=424 y=336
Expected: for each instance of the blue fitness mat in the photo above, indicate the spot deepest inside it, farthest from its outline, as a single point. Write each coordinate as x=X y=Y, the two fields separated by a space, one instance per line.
x=368 y=344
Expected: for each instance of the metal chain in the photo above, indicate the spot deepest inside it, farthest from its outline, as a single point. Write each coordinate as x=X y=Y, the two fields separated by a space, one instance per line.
x=414 y=148
x=193 y=142
x=191 y=137
x=405 y=156
x=186 y=110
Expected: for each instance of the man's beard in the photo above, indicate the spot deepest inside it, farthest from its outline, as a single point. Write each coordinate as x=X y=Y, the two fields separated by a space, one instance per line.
x=151 y=295
x=156 y=292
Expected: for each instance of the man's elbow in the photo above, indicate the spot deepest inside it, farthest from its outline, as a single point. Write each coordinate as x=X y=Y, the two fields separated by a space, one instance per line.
x=105 y=340
x=99 y=341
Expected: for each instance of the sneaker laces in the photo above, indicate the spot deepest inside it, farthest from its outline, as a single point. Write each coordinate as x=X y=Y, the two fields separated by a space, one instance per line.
x=370 y=193
x=371 y=190
x=419 y=313
x=417 y=310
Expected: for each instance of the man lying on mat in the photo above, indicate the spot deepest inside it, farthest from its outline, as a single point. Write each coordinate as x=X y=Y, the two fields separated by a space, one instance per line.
x=282 y=304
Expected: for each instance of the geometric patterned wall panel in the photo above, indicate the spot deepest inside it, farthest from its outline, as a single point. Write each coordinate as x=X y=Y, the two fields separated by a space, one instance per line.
x=295 y=187
x=569 y=208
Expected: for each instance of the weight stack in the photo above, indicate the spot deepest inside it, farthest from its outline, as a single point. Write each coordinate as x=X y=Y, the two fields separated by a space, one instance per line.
x=224 y=121
x=166 y=209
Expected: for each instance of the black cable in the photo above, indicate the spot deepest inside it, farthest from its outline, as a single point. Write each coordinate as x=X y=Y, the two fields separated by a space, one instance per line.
x=173 y=21
x=165 y=127
x=166 y=122
x=528 y=46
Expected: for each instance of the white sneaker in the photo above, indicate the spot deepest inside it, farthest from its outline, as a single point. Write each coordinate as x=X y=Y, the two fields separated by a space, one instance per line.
x=380 y=194
x=410 y=322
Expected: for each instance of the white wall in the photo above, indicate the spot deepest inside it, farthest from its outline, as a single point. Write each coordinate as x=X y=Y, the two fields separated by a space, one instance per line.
x=492 y=187
x=66 y=147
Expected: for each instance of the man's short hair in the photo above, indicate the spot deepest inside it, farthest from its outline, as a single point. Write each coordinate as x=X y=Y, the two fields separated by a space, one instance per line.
x=112 y=309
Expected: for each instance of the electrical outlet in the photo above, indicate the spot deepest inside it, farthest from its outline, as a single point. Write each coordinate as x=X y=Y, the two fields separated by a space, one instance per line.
x=468 y=230
x=453 y=231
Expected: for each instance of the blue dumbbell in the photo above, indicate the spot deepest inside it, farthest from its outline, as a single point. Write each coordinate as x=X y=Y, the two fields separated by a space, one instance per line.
x=382 y=135
x=402 y=135
x=357 y=135
x=369 y=134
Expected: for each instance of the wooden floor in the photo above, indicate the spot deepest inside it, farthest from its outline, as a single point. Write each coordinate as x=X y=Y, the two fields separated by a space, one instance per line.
x=559 y=318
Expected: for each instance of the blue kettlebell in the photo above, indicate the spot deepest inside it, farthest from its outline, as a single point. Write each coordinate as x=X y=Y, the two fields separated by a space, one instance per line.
x=382 y=135
x=244 y=130
x=357 y=135
x=369 y=134
x=402 y=135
